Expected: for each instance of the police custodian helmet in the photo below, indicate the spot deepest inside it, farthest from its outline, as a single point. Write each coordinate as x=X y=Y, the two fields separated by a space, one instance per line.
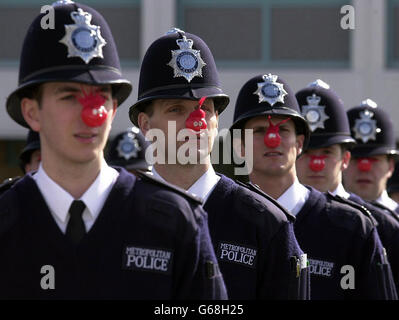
x=32 y=144
x=393 y=181
x=127 y=150
x=178 y=65
x=373 y=130
x=326 y=115
x=268 y=94
x=80 y=49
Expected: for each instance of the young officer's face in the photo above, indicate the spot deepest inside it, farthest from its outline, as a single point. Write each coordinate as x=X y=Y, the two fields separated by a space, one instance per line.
x=177 y=111
x=329 y=177
x=370 y=184
x=64 y=135
x=274 y=161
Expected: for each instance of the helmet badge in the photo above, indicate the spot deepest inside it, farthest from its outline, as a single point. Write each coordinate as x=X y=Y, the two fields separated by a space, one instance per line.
x=365 y=127
x=83 y=39
x=128 y=147
x=270 y=91
x=313 y=113
x=186 y=62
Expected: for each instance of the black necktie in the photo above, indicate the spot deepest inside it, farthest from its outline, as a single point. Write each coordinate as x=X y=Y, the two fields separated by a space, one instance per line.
x=76 y=228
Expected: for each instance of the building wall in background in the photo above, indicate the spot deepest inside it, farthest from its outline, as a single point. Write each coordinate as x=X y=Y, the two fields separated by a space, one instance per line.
x=300 y=40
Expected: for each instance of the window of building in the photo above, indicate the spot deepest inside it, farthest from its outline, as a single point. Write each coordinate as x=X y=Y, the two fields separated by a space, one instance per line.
x=123 y=17
x=392 y=33
x=293 y=33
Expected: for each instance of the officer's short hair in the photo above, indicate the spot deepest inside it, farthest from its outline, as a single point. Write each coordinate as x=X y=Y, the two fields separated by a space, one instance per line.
x=148 y=108
x=33 y=92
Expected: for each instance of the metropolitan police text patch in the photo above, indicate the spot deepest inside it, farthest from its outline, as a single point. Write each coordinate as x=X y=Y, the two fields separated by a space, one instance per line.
x=147 y=259
x=235 y=253
x=321 y=268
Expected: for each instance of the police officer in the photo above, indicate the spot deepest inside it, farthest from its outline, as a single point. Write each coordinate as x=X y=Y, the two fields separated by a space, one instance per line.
x=127 y=150
x=393 y=184
x=30 y=155
x=332 y=233
x=180 y=92
x=328 y=155
x=78 y=228
x=29 y=159
x=373 y=158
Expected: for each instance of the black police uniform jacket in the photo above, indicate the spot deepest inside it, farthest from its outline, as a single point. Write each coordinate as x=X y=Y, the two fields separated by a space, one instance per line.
x=148 y=242
x=388 y=230
x=393 y=213
x=253 y=241
x=8 y=183
x=337 y=238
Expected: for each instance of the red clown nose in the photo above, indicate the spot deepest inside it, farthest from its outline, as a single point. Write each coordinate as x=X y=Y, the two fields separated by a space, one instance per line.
x=93 y=113
x=317 y=163
x=196 y=120
x=272 y=138
x=365 y=164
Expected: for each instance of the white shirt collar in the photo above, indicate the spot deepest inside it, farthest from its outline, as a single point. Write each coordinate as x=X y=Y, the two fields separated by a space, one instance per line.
x=340 y=191
x=59 y=200
x=203 y=186
x=157 y=175
x=385 y=200
x=294 y=198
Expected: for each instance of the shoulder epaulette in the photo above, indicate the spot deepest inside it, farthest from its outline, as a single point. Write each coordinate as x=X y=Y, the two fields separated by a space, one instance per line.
x=381 y=206
x=150 y=178
x=259 y=191
x=355 y=205
x=8 y=183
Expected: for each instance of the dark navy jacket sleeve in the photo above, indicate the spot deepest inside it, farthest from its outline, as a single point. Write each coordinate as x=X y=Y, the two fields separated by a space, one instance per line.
x=367 y=257
x=254 y=243
x=344 y=250
x=370 y=281
x=388 y=230
x=281 y=275
x=197 y=272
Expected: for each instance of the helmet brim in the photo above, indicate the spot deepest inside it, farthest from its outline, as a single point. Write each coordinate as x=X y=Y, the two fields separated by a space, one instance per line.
x=86 y=75
x=369 y=150
x=321 y=140
x=220 y=99
x=302 y=126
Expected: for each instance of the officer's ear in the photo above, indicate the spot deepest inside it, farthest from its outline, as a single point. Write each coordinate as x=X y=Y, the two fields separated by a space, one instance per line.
x=115 y=106
x=300 y=138
x=143 y=122
x=238 y=147
x=391 y=163
x=30 y=111
x=346 y=158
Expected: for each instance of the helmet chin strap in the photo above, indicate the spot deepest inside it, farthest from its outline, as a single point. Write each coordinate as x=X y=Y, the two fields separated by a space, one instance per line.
x=196 y=120
x=93 y=113
x=272 y=137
